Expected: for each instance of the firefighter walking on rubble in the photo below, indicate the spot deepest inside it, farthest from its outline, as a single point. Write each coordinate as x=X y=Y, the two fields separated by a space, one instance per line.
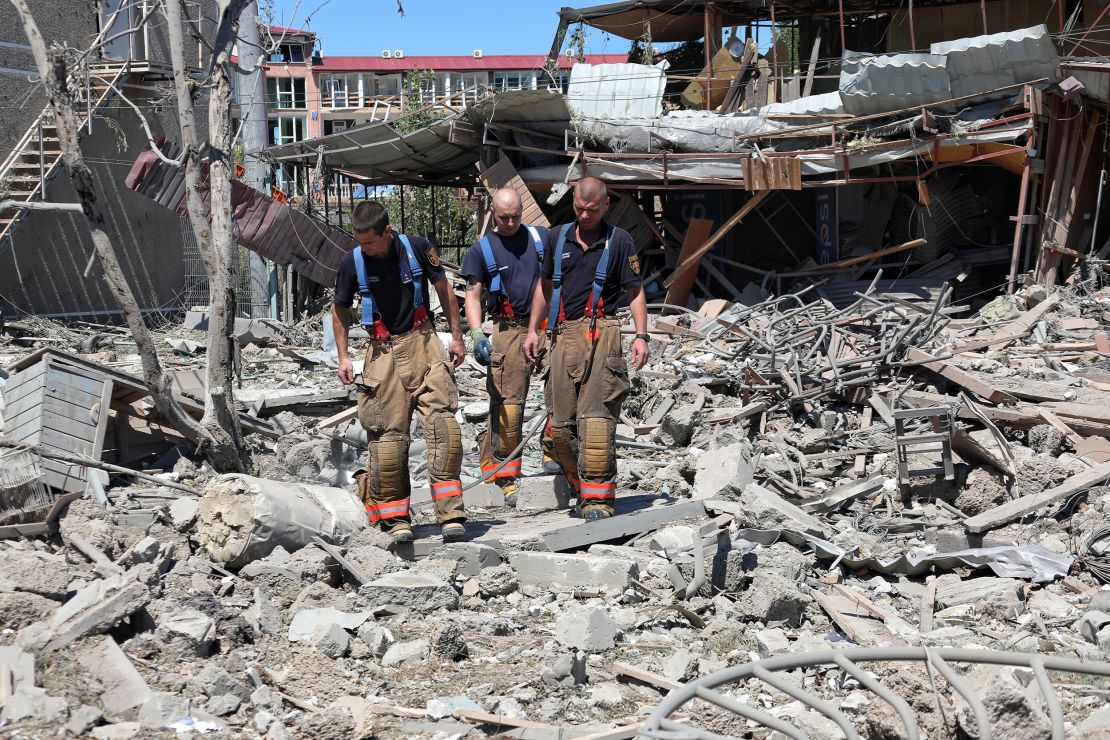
x=506 y=263
x=405 y=369
x=588 y=266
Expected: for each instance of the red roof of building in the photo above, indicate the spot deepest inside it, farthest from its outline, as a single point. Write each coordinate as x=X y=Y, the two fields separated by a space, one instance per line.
x=279 y=30
x=456 y=63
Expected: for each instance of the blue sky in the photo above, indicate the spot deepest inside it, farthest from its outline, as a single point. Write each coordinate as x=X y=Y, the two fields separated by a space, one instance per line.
x=365 y=27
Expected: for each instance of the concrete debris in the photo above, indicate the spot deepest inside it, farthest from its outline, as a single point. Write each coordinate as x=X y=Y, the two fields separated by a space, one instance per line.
x=774 y=466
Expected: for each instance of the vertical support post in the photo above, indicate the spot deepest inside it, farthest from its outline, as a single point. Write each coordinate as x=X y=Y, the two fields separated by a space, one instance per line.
x=840 y=9
x=402 y=208
x=913 y=35
x=708 y=60
x=339 y=198
x=42 y=164
x=1018 y=223
x=435 y=229
x=289 y=317
x=327 y=205
x=983 y=13
x=88 y=100
x=776 y=86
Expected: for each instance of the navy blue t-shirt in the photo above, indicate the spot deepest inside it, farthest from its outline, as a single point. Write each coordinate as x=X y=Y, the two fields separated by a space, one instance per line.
x=580 y=265
x=392 y=298
x=519 y=265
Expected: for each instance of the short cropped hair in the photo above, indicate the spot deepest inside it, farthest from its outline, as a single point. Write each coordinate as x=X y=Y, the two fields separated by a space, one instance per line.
x=369 y=215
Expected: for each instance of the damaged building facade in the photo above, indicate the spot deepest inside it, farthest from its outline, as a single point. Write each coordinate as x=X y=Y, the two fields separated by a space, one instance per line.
x=862 y=481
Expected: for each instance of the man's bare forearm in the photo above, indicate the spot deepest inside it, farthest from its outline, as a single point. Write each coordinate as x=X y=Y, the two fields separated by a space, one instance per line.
x=638 y=304
x=340 y=320
x=539 y=305
x=473 y=304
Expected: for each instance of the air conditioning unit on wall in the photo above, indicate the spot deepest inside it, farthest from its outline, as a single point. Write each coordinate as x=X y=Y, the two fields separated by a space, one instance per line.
x=477 y=53
x=387 y=54
x=399 y=54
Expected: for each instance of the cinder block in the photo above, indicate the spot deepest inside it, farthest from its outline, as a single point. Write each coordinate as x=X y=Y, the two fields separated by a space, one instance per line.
x=576 y=571
x=543 y=492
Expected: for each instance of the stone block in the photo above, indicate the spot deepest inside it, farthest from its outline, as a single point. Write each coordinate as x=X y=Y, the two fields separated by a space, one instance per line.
x=404 y=652
x=163 y=709
x=124 y=687
x=215 y=681
x=588 y=628
x=574 y=571
x=222 y=705
x=764 y=509
x=568 y=669
x=677 y=666
x=543 y=493
x=770 y=642
x=83 y=719
x=94 y=609
x=679 y=425
x=483 y=495
x=33 y=704
x=727 y=467
x=417 y=591
x=471 y=556
x=376 y=637
x=307 y=621
x=263 y=615
x=330 y=639
x=499 y=581
x=772 y=598
x=780 y=558
x=183 y=513
x=187 y=632
x=1002 y=597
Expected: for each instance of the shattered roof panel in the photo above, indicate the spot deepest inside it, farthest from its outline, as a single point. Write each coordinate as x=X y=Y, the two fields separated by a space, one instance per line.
x=616 y=90
x=985 y=63
x=875 y=84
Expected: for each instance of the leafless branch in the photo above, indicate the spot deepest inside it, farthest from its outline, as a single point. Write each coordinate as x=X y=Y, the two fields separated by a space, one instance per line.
x=151 y=139
x=37 y=205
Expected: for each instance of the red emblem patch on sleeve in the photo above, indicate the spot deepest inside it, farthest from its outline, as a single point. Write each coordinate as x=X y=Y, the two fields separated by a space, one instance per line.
x=433 y=256
x=634 y=263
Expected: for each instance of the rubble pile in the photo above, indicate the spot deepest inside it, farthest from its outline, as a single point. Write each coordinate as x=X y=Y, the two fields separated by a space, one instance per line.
x=793 y=478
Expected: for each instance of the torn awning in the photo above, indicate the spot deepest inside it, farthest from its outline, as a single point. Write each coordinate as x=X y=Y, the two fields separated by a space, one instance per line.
x=444 y=152
x=670 y=20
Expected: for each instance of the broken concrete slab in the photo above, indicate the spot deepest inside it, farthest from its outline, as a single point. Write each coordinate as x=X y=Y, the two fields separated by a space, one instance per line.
x=1004 y=597
x=543 y=493
x=588 y=628
x=417 y=591
x=183 y=513
x=41 y=573
x=377 y=638
x=33 y=704
x=83 y=719
x=772 y=598
x=472 y=557
x=764 y=509
x=569 y=669
x=330 y=639
x=573 y=571
x=163 y=709
x=124 y=689
x=727 y=467
x=94 y=609
x=187 y=632
x=405 y=652
x=306 y=621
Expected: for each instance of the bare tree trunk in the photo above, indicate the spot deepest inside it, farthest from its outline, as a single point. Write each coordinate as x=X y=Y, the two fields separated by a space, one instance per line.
x=53 y=74
x=215 y=240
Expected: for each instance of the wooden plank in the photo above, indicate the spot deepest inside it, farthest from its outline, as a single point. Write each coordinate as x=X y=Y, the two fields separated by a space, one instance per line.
x=1060 y=426
x=1016 y=329
x=928 y=604
x=697 y=232
x=859 y=467
x=692 y=260
x=644 y=676
x=1020 y=507
x=337 y=419
x=961 y=377
x=814 y=53
x=853 y=261
x=29 y=401
x=1090 y=412
x=882 y=408
x=502 y=174
x=485 y=718
x=890 y=620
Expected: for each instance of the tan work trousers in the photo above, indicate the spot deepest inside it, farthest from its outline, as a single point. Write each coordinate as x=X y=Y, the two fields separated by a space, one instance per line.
x=409 y=372
x=507 y=385
x=587 y=380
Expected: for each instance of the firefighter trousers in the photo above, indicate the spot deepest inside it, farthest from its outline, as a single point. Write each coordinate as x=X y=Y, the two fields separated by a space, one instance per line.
x=587 y=380
x=409 y=373
x=507 y=384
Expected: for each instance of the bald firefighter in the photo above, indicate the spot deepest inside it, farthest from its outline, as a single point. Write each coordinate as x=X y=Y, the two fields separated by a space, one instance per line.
x=406 y=369
x=589 y=266
x=506 y=264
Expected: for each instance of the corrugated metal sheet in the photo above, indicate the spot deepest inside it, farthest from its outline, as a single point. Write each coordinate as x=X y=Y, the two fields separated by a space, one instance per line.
x=874 y=84
x=262 y=224
x=616 y=90
x=983 y=63
x=811 y=104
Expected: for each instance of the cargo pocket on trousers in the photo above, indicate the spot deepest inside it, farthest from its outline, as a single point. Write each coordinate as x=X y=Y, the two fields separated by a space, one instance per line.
x=369 y=402
x=616 y=379
x=497 y=372
x=450 y=388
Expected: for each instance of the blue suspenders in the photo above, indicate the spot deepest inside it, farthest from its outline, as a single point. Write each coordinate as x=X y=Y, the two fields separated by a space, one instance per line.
x=594 y=306
x=492 y=268
x=411 y=272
